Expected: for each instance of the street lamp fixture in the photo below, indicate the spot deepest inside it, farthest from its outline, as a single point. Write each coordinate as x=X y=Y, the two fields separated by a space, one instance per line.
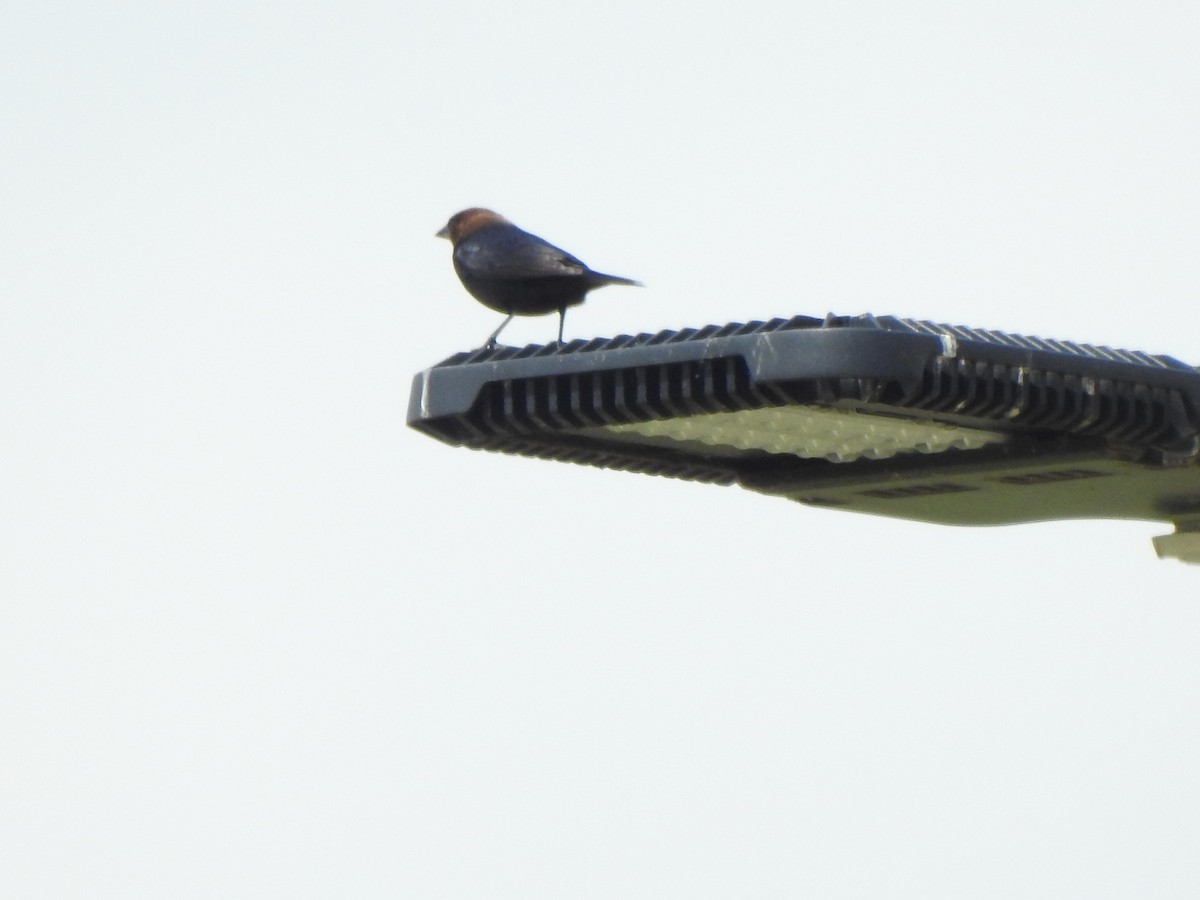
x=883 y=415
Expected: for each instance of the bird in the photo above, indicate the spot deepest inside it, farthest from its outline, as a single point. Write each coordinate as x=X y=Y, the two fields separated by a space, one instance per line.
x=515 y=272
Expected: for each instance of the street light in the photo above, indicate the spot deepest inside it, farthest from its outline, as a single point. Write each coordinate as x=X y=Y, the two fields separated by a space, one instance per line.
x=881 y=415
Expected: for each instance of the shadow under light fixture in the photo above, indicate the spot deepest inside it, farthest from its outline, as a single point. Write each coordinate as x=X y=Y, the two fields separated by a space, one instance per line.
x=882 y=415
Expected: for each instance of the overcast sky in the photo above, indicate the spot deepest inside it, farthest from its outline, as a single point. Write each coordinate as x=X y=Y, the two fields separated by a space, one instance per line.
x=259 y=639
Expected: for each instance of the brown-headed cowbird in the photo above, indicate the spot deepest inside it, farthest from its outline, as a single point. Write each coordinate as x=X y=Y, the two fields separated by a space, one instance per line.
x=515 y=272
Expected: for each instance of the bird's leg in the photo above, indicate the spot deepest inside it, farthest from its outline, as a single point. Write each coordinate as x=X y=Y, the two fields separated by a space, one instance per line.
x=491 y=341
x=562 y=320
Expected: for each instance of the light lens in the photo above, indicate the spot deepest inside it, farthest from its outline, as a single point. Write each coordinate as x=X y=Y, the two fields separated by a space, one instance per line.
x=810 y=432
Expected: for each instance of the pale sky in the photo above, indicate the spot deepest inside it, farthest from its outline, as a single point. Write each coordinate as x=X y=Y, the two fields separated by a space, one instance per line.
x=259 y=639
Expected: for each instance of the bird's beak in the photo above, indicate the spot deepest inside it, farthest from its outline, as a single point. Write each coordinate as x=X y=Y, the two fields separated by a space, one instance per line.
x=445 y=232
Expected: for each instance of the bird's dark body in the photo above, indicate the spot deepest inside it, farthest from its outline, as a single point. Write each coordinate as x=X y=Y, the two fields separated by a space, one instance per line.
x=513 y=271
x=517 y=273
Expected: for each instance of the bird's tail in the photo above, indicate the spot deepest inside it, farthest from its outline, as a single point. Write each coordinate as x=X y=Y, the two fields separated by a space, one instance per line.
x=599 y=279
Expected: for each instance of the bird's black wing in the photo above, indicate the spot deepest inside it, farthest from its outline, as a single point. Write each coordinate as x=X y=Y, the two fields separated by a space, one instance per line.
x=507 y=252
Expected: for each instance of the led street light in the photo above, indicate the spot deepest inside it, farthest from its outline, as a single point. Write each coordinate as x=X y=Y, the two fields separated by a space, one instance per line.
x=872 y=414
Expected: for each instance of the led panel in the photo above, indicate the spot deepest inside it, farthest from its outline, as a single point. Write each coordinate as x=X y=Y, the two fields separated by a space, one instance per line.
x=812 y=432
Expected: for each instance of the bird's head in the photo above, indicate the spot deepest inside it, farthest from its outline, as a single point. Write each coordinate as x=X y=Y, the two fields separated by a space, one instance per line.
x=469 y=220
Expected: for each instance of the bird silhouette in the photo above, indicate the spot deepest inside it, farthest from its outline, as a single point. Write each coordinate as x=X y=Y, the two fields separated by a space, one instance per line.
x=515 y=272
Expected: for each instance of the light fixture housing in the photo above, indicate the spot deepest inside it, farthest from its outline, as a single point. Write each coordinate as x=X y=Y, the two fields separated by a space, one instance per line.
x=896 y=417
